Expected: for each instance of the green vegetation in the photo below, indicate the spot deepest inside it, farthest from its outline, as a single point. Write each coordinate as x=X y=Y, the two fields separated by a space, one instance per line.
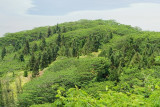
x=88 y=63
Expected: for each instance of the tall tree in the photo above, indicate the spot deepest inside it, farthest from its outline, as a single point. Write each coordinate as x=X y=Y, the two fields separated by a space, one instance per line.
x=49 y=55
x=58 y=29
x=21 y=58
x=44 y=60
x=35 y=47
x=58 y=40
x=40 y=35
x=74 y=48
x=62 y=40
x=96 y=44
x=32 y=62
x=111 y=35
x=26 y=48
x=17 y=46
x=54 y=54
x=64 y=29
x=35 y=71
x=49 y=33
x=88 y=47
x=43 y=44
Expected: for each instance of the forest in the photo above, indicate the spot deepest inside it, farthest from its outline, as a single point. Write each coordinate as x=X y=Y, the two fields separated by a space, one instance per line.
x=86 y=63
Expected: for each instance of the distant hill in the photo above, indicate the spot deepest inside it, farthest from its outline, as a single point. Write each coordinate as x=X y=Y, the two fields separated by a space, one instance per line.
x=86 y=63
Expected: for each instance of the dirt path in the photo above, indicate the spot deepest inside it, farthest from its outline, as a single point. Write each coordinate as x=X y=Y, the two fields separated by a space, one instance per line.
x=41 y=73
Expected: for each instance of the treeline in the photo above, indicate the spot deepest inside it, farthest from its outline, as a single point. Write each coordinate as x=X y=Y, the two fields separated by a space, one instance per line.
x=43 y=53
x=124 y=48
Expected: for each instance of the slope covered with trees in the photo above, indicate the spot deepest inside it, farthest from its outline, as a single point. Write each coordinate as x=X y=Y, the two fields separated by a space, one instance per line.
x=86 y=63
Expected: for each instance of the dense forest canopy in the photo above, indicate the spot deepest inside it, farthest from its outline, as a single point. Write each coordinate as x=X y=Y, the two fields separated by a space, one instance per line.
x=87 y=63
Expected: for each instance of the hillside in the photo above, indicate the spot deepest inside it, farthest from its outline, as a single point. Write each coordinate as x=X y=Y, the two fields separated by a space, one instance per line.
x=87 y=63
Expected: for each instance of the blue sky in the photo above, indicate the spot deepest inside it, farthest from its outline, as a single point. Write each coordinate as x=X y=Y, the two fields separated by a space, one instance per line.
x=61 y=7
x=18 y=15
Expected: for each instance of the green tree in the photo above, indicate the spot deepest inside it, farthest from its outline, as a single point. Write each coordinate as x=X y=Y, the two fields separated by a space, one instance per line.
x=96 y=44
x=17 y=46
x=58 y=29
x=25 y=73
x=61 y=51
x=44 y=60
x=54 y=54
x=35 y=71
x=40 y=35
x=58 y=40
x=64 y=30
x=49 y=33
x=32 y=62
x=110 y=52
x=111 y=35
x=35 y=47
x=43 y=44
x=63 y=40
x=26 y=48
x=89 y=46
x=21 y=58
x=3 y=54
x=74 y=48
x=49 y=55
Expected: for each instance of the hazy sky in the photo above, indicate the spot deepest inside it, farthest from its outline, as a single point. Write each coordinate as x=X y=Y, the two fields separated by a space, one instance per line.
x=17 y=15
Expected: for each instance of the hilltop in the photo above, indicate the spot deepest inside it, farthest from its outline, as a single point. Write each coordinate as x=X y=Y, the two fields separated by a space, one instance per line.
x=86 y=63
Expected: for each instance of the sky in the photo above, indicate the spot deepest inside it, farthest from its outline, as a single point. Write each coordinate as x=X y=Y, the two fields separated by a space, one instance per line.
x=18 y=15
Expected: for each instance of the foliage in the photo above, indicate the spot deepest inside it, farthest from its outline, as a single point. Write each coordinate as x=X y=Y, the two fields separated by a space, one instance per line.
x=125 y=73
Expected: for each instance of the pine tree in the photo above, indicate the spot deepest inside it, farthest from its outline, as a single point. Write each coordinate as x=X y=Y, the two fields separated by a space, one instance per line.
x=64 y=30
x=40 y=35
x=58 y=29
x=35 y=47
x=54 y=54
x=17 y=46
x=58 y=40
x=111 y=35
x=96 y=44
x=3 y=54
x=39 y=58
x=43 y=44
x=74 y=48
x=44 y=61
x=49 y=56
x=63 y=41
x=49 y=32
x=21 y=58
x=26 y=48
x=35 y=71
x=32 y=62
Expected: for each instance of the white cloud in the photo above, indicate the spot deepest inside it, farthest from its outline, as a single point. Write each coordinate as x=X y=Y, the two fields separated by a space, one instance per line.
x=15 y=6
x=144 y=15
